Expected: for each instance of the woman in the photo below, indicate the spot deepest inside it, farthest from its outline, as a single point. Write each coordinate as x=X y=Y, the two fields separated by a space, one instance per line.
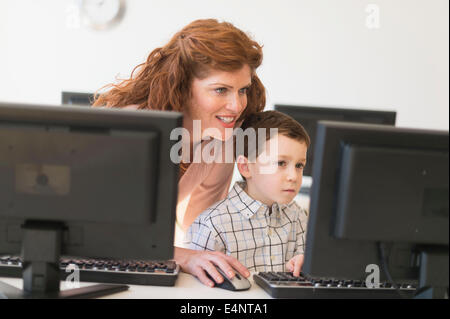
x=207 y=72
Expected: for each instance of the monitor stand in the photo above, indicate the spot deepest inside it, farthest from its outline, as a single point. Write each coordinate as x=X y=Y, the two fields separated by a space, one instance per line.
x=433 y=279
x=41 y=250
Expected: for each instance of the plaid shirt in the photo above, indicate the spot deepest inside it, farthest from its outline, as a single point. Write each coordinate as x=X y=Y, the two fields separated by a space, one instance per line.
x=245 y=229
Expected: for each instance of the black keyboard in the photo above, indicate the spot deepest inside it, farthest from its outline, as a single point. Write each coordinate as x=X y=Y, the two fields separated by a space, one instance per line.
x=152 y=273
x=285 y=285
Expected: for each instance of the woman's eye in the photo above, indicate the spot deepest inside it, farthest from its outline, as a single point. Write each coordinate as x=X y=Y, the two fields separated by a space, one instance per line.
x=282 y=163
x=243 y=90
x=220 y=90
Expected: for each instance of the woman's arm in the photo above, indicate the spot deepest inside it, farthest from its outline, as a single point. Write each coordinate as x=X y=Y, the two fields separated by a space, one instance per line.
x=197 y=262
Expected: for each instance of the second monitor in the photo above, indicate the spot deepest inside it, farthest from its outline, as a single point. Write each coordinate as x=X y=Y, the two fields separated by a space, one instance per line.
x=77 y=98
x=309 y=116
x=380 y=198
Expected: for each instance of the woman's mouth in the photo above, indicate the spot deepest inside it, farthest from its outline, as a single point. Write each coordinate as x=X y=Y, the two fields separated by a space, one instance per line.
x=227 y=121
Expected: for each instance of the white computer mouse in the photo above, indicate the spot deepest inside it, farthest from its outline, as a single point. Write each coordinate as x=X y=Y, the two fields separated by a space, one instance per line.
x=237 y=283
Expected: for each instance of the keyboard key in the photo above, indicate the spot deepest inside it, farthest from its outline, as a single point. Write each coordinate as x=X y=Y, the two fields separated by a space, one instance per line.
x=171 y=265
x=161 y=266
x=89 y=265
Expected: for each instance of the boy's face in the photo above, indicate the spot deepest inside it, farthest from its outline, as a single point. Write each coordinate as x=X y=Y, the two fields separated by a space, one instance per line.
x=286 y=165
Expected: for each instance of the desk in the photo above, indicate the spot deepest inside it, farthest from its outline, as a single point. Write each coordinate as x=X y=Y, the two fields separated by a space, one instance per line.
x=186 y=287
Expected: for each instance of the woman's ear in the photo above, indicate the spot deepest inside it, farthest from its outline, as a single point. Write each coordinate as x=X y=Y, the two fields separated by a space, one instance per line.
x=242 y=165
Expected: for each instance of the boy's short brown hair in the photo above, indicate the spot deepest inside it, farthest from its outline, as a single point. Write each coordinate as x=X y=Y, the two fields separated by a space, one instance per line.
x=285 y=124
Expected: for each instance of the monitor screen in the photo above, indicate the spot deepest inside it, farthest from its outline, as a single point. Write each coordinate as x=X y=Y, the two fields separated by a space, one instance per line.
x=77 y=98
x=105 y=174
x=375 y=184
x=308 y=116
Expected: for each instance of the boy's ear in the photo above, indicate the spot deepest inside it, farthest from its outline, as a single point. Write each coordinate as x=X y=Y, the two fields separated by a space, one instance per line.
x=242 y=165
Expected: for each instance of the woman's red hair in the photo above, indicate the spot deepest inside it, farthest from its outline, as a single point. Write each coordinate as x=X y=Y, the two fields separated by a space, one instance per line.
x=163 y=82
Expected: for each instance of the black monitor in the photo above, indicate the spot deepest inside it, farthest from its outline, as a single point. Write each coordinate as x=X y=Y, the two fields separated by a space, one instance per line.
x=379 y=190
x=308 y=116
x=86 y=182
x=77 y=98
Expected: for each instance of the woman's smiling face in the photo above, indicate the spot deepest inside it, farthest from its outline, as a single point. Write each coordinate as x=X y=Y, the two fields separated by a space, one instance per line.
x=217 y=101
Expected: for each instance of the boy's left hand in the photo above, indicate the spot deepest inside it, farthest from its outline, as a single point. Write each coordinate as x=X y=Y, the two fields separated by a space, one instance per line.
x=295 y=265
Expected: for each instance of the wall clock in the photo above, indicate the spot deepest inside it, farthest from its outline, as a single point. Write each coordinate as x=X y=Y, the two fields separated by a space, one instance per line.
x=102 y=14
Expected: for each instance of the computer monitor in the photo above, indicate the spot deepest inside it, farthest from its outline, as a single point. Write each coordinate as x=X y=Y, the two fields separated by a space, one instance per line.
x=86 y=182
x=77 y=98
x=379 y=190
x=308 y=116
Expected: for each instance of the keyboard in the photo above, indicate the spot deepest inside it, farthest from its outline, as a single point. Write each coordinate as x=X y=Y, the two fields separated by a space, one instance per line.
x=152 y=273
x=285 y=285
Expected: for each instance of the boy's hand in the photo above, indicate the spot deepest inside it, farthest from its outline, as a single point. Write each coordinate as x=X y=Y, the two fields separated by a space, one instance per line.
x=295 y=265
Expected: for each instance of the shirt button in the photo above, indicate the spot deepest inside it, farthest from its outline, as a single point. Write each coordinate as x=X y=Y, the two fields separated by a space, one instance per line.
x=269 y=232
x=272 y=258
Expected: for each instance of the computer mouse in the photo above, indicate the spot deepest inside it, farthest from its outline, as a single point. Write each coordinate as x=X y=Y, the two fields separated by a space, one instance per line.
x=237 y=283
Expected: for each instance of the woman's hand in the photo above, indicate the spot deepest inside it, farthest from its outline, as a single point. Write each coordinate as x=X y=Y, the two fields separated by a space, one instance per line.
x=196 y=262
x=295 y=265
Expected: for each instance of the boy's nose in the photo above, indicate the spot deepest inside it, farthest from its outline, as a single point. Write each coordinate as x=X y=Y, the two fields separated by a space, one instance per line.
x=292 y=176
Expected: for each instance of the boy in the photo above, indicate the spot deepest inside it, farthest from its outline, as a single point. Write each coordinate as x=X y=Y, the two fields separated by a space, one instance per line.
x=258 y=222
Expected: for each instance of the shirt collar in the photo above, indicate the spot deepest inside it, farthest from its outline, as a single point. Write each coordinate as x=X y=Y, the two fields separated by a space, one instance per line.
x=248 y=206
x=242 y=202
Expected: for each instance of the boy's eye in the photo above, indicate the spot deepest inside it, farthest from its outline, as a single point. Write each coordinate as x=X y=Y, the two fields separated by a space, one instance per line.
x=300 y=165
x=281 y=163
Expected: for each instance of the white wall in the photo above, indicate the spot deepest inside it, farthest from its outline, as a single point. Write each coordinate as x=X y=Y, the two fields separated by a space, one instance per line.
x=317 y=52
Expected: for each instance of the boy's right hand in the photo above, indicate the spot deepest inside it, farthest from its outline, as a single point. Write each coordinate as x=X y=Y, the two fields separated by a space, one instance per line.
x=295 y=265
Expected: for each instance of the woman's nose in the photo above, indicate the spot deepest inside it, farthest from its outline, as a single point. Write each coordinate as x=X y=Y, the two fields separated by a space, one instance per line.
x=235 y=104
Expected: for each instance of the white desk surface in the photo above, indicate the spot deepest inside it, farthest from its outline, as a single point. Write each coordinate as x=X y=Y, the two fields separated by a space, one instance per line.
x=186 y=287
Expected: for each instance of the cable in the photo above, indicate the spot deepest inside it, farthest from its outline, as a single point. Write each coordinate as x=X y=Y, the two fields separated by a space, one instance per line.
x=384 y=260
